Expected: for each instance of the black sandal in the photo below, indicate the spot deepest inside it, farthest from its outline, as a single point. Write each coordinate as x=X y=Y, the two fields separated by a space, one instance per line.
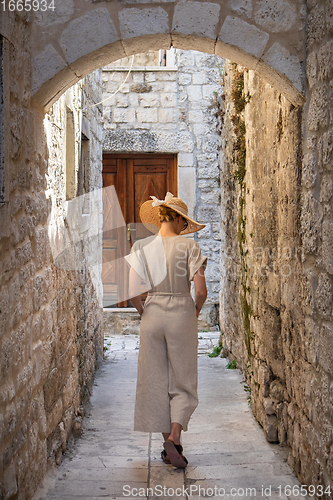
x=175 y=454
x=164 y=457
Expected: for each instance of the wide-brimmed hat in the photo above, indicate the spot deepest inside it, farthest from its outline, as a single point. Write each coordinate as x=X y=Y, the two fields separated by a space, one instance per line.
x=150 y=218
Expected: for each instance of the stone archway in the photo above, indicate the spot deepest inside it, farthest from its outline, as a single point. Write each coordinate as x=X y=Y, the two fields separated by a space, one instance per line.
x=262 y=35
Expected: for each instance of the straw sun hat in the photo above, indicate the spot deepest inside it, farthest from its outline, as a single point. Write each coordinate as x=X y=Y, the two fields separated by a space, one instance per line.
x=149 y=213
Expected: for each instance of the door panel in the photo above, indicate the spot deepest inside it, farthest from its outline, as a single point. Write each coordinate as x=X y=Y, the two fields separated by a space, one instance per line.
x=136 y=178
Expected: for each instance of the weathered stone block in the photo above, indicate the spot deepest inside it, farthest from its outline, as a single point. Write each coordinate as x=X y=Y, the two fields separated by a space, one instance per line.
x=27 y=272
x=149 y=100
x=309 y=171
x=133 y=100
x=70 y=388
x=243 y=35
x=201 y=129
x=212 y=272
x=26 y=226
x=88 y=33
x=167 y=115
x=136 y=22
x=325 y=150
x=54 y=417
x=325 y=358
x=324 y=296
x=264 y=377
x=120 y=115
x=27 y=299
x=208 y=171
x=311 y=346
x=315 y=26
x=194 y=92
x=185 y=143
x=168 y=100
x=45 y=66
x=273 y=290
x=14 y=300
x=151 y=78
x=170 y=87
x=4 y=310
x=196 y=18
x=325 y=57
x=277 y=391
x=199 y=78
x=202 y=235
x=275 y=17
x=244 y=8
x=38 y=290
x=327 y=246
x=209 y=90
x=213 y=197
x=185 y=160
x=122 y=100
x=282 y=417
x=23 y=254
x=286 y=63
x=210 y=145
x=311 y=218
x=208 y=214
x=8 y=266
x=147 y=115
x=195 y=116
x=185 y=79
x=269 y=406
x=270 y=428
x=326 y=188
x=318 y=114
x=329 y=16
x=10 y=483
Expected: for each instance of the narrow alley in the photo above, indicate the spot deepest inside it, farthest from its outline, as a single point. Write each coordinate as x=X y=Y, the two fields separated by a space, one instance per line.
x=228 y=453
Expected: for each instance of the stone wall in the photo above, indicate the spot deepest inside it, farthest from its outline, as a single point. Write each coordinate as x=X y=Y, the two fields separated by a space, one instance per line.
x=276 y=285
x=172 y=109
x=50 y=318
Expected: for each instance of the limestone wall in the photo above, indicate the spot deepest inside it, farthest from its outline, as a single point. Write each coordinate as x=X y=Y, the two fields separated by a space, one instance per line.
x=276 y=286
x=172 y=109
x=50 y=318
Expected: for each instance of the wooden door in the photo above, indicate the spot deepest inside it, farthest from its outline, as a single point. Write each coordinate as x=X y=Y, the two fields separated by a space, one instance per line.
x=136 y=177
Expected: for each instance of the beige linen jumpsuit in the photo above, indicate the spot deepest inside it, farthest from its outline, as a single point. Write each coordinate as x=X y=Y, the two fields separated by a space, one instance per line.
x=167 y=364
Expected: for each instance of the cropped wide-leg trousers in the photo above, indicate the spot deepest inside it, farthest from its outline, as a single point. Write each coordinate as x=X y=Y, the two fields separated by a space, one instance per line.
x=167 y=364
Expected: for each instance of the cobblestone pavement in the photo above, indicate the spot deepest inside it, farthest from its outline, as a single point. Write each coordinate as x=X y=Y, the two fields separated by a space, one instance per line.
x=228 y=454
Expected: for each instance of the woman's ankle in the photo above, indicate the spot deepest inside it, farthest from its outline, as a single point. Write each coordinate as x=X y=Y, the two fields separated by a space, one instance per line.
x=175 y=439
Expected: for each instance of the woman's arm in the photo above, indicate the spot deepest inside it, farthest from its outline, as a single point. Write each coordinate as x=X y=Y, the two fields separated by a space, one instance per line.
x=134 y=290
x=200 y=289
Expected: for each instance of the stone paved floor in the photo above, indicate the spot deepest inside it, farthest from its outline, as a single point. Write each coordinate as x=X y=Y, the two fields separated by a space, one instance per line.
x=228 y=454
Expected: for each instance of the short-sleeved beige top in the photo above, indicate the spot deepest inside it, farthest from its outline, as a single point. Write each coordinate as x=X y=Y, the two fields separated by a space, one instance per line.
x=166 y=264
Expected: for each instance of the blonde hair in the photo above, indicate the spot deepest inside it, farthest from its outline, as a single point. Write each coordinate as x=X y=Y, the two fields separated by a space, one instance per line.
x=167 y=214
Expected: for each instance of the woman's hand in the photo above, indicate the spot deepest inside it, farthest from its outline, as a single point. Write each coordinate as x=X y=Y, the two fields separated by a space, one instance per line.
x=200 y=289
x=134 y=290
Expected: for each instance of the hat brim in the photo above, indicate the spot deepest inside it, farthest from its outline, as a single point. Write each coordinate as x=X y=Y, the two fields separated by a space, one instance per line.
x=149 y=217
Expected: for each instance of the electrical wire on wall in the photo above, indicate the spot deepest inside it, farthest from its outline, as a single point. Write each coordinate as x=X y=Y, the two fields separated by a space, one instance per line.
x=116 y=92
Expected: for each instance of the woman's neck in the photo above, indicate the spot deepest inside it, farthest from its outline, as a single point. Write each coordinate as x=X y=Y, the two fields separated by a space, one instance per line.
x=168 y=229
